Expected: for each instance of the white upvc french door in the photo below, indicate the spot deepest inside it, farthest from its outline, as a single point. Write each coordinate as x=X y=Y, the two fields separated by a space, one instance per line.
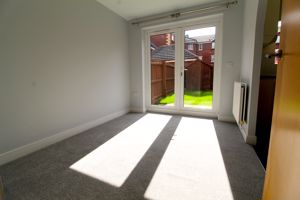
x=182 y=67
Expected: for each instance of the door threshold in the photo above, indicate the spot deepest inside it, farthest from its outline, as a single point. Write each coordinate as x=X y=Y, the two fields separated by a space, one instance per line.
x=204 y=114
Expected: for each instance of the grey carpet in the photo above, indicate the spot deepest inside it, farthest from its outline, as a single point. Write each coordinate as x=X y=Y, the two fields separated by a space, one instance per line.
x=46 y=174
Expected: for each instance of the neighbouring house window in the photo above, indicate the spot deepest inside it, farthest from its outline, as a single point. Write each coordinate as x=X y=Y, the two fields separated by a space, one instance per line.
x=200 y=47
x=190 y=47
x=201 y=57
x=212 y=58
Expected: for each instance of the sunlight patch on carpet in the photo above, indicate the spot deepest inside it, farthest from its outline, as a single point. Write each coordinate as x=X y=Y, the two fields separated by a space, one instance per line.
x=113 y=161
x=192 y=167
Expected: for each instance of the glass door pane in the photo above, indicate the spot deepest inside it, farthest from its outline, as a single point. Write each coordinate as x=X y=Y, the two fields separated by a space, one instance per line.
x=199 y=58
x=162 y=69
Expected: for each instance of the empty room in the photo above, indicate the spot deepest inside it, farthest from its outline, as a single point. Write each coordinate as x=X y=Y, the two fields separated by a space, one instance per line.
x=149 y=100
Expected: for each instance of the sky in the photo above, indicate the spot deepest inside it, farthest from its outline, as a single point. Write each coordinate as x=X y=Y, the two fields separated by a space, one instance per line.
x=201 y=32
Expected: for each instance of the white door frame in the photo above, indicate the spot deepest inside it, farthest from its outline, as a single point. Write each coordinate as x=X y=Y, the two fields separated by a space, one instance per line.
x=178 y=28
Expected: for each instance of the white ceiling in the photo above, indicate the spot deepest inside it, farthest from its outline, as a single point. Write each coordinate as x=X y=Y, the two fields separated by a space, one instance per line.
x=133 y=9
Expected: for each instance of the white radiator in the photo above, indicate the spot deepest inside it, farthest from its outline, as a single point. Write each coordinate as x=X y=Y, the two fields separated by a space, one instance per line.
x=239 y=107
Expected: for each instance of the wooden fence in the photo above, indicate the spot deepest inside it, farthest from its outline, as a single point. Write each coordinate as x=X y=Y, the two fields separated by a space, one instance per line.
x=197 y=76
x=162 y=79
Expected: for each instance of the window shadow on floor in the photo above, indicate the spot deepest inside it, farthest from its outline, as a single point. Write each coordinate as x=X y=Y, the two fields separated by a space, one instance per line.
x=46 y=173
x=138 y=181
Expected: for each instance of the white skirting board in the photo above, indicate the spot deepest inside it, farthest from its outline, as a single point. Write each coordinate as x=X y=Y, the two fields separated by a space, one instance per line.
x=136 y=110
x=32 y=147
x=226 y=118
x=249 y=139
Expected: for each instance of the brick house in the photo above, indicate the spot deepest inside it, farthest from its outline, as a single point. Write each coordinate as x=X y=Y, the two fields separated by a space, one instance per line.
x=204 y=49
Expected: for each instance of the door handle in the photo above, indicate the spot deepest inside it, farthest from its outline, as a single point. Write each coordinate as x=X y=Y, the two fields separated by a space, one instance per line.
x=278 y=54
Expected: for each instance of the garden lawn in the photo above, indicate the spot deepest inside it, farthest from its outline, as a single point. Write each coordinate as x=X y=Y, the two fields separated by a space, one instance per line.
x=196 y=98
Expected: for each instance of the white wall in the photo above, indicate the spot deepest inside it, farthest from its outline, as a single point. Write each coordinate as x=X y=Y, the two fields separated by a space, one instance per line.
x=252 y=43
x=136 y=70
x=230 y=65
x=63 y=63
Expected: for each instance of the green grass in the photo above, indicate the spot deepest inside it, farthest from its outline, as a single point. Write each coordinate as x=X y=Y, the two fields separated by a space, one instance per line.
x=199 y=98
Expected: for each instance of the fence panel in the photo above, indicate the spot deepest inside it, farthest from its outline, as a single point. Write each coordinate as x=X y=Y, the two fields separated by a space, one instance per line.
x=162 y=80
